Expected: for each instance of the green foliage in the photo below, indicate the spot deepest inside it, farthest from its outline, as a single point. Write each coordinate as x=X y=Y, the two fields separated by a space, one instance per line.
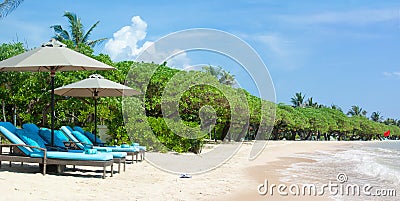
x=177 y=109
x=76 y=33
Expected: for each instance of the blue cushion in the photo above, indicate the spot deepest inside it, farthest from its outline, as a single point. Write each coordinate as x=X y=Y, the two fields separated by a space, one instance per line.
x=69 y=128
x=120 y=149
x=31 y=142
x=79 y=129
x=31 y=136
x=61 y=136
x=15 y=140
x=125 y=146
x=118 y=154
x=74 y=156
x=46 y=135
x=103 y=149
x=31 y=127
x=71 y=137
x=68 y=133
x=91 y=137
x=81 y=138
x=9 y=126
x=91 y=151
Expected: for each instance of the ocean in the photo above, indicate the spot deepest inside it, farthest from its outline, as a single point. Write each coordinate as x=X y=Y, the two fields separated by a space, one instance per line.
x=361 y=171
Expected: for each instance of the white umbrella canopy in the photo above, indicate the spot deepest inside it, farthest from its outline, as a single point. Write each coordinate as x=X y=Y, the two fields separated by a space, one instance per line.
x=95 y=86
x=51 y=57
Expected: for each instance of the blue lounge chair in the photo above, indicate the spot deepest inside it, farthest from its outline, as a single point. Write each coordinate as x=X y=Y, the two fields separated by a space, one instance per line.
x=81 y=140
x=30 y=151
x=91 y=137
x=60 y=140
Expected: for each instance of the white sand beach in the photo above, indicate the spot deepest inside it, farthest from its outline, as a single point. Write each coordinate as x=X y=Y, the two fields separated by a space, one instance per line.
x=237 y=179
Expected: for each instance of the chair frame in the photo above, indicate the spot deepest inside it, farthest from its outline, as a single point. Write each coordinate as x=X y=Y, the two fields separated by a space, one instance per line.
x=13 y=156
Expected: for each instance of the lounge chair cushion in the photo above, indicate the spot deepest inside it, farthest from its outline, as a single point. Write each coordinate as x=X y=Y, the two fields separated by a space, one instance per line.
x=120 y=149
x=88 y=135
x=9 y=126
x=69 y=128
x=79 y=129
x=46 y=135
x=30 y=138
x=103 y=149
x=118 y=154
x=92 y=137
x=74 y=156
x=68 y=132
x=30 y=141
x=31 y=127
x=90 y=151
x=81 y=138
x=15 y=140
x=61 y=135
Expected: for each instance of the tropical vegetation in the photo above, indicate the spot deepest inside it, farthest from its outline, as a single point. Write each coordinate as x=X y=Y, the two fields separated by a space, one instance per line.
x=177 y=109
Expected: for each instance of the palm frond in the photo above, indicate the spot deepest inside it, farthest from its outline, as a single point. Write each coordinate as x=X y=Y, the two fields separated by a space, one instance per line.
x=8 y=6
x=86 y=36
x=76 y=27
x=96 y=42
x=61 y=34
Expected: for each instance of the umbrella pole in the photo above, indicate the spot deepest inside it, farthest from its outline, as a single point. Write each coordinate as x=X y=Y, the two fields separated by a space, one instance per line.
x=52 y=74
x=95 y=118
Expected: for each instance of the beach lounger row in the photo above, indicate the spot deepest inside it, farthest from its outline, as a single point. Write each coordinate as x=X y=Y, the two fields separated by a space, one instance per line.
x=32 y=145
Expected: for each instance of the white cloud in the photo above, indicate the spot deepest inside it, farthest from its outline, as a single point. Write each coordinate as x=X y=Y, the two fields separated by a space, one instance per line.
x=179 y=61
x=354 y=17
x=392 y=74
x=274 y=43
x=124 y=43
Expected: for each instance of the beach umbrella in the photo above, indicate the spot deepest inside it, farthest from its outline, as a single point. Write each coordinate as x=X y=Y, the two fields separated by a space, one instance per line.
x=51 y=57
x=95 y=86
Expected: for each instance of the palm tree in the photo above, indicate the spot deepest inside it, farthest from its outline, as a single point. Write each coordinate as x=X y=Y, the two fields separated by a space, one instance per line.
x=298 y=100
x=356 y=111
x=336 y=107
x=311 y=103
x=376 y=116
x=390 y=121
x=8 y=6
x=223 y=76
x=76 y=32
x=227 y=79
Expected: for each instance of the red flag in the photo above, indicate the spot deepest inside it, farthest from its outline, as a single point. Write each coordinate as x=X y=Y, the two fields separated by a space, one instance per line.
x=387 y=133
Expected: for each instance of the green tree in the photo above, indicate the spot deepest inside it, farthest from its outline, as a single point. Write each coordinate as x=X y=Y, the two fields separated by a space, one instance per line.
x=76 y=32
x=298 y=100
x=390 y=121
x=223 y=76
x=311 y=103
x=376 y=116
x=356 y=111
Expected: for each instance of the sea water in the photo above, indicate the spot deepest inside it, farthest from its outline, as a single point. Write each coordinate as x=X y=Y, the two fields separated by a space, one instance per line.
x=371 y=165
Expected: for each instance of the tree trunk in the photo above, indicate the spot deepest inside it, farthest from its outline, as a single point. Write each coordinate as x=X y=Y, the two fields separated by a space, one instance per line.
x=225 y=131
x=4 y=110
x=293 y=135
x=15 y=114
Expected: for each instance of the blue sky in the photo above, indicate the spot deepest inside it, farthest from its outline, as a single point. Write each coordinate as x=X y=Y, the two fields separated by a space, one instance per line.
x=338 y=52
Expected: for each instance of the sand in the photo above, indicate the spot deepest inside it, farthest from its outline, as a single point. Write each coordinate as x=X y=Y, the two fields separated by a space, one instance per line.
x=237 y=179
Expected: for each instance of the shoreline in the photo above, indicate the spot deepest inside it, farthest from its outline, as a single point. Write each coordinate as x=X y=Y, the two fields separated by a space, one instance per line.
x=237 y=179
